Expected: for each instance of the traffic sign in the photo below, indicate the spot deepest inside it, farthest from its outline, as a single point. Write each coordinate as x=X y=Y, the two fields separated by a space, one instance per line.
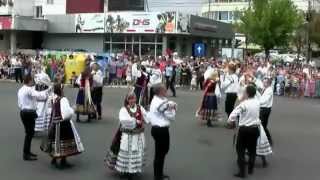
x=199 y=49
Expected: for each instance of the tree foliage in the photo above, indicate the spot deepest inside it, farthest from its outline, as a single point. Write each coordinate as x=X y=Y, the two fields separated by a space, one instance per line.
x=270 y=23
x=315 y=29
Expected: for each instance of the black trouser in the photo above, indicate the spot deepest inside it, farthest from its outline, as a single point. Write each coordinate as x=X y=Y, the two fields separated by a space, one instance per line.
x=18 y=74
x=162 y=143
x=264 y=117
x=97 y=98
x=200 y=82
x=151 y=94
x=170 y=84
x=247 y=140
x=231 y=99
x=28 y=119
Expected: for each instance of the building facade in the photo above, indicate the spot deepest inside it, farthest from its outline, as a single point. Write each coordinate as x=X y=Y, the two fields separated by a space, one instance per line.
x=229 y=10
x=96 y=26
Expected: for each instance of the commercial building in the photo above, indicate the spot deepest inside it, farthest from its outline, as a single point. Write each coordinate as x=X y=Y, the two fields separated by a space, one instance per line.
x=115 y=27
x=229 y=10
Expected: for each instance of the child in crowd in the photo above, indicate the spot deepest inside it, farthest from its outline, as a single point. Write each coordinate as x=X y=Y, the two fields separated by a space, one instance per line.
x=194 y=81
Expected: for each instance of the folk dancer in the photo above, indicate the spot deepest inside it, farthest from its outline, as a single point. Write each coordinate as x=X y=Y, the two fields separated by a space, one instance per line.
x=209 y=103
x=97 y=88
x=266 y=102
x=27 y=103
x=63 y=139
x=162 y=113
x=230 y=84
x=43 y=83
x=84 y=103
x=170 y=74
x=128 y=148
x=155 y=79
x=248 y=113
x=140 y=87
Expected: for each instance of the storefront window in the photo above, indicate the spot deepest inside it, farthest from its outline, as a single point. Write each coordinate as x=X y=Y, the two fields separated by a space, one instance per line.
x=147 y=49
x=148 y=38
x=136 y=38
x=118 y=38
x=118 y=48
x=159 y=39
x=159 y=50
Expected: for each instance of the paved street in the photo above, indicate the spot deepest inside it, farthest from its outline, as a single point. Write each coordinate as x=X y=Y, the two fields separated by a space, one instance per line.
x=197 y=152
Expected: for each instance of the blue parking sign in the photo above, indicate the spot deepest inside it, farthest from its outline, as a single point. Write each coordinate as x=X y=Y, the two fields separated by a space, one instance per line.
x=199 y=49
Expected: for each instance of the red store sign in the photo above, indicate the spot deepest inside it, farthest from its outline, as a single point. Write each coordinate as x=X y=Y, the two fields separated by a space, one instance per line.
x=5 y=23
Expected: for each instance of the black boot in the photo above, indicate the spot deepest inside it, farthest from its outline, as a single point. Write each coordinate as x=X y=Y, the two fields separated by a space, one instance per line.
x=209 y=123
x=264 y=162
x=64 y=163
x=78 y=117
x=241 y=173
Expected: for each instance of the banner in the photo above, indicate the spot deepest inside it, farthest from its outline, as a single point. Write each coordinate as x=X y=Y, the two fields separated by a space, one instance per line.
x=129 y=22
x=5 y=23
x=183 y=23
x=89 y=23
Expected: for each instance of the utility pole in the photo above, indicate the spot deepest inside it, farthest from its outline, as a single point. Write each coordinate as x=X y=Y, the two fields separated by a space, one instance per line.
x=309 y=19
x=209 y=9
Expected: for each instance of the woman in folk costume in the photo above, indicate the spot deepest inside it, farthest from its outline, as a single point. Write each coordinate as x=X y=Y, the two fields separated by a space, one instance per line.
x=43 y=83
x=84 y=103
x=63 y=139
x=128 y=147
x=141 y=88
x=209 y=103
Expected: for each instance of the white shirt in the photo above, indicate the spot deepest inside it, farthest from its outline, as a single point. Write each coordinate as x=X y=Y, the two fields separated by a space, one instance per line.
x=97 y=78
x=134 y=71
x=129 y=122
x=66 y=110
x=266 y=99
x=156 y=77
x=28 y=96
x=248 y=113
x=230 y=83
x=156 y=117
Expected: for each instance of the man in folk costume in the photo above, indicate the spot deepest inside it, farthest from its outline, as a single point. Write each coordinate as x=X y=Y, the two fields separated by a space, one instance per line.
x=97 y=88
x=247 y=115
x=162 y=113
x=27 y=103
x=209 y=103
x=140 y=87
x=230 y=84
x=84 y=103
x=266 y=102
x=43 y=83
x=128 y=147
x=63 y=139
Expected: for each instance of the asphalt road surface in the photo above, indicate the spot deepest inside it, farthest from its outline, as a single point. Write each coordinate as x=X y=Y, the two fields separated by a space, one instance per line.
x=196 y=152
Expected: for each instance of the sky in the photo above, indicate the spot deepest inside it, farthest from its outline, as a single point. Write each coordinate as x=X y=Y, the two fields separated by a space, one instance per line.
x=187 y=6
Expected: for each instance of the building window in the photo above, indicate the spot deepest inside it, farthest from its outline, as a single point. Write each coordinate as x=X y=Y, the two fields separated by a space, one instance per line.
x=223 y=15
x=50 y=1
x=38 y=12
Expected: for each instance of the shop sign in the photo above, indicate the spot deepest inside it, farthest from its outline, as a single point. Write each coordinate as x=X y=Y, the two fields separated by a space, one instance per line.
x=5 y=23
x=128 y=22
x=89 y=23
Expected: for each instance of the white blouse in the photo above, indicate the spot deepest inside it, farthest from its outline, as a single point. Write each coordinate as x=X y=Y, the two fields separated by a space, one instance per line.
x=129 y=122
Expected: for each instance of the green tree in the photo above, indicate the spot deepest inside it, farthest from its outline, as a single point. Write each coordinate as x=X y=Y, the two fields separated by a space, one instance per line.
x=270 y=23
x=315 y=29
